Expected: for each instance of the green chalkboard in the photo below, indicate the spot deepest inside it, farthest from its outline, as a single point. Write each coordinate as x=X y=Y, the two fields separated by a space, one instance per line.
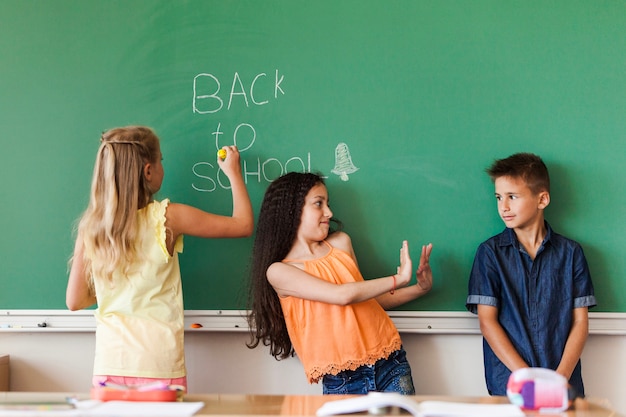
x=411 y=99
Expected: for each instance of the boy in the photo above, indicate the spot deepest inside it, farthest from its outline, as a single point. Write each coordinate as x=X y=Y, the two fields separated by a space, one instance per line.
x=530 y=286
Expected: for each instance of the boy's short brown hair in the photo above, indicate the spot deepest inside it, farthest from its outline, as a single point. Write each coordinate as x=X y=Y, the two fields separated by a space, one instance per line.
x=527 y=166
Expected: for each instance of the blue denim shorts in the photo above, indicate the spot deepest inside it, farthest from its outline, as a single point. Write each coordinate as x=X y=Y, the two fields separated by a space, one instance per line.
x=386 y=375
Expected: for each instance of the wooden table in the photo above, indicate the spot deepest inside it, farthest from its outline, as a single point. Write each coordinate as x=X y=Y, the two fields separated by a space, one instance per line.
x=216 y=405
x=307 y=405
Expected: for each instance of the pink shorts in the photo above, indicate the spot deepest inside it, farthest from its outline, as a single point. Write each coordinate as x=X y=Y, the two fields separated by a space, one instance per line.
x=100 y=380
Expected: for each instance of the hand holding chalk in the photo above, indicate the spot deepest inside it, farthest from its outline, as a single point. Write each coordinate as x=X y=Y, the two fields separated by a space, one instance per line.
x=228 y=160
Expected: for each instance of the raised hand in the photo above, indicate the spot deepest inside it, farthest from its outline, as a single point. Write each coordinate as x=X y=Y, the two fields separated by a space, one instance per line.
x=424 y=274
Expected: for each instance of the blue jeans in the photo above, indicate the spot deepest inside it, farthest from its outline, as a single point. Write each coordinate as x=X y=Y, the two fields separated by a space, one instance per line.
x=386 y=375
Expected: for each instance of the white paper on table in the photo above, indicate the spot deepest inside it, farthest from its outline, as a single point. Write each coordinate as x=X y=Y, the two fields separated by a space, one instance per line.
x=378 y=400
x=144 y=409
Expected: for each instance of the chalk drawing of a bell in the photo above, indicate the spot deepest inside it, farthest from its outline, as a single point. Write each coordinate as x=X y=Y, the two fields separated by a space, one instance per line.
x=343 y=162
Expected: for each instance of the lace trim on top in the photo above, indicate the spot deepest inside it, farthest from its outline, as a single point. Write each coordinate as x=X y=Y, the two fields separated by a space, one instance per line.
x=316 y=373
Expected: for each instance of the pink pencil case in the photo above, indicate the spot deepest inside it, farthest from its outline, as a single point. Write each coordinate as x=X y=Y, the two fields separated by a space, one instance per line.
x=150 y=392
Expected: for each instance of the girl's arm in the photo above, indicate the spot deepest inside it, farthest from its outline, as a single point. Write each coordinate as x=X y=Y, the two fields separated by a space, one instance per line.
x=424 y=284
x=402 y=295
x=186 y=220
x=575 y=342
x=78 y=295
x=498 y=340
x=288 y=280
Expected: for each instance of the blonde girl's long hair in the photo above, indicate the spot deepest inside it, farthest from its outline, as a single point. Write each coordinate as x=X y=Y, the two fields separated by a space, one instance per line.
x=108 y=228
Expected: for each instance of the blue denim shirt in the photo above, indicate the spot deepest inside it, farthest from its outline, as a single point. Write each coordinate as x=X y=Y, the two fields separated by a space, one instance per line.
x=535 y=299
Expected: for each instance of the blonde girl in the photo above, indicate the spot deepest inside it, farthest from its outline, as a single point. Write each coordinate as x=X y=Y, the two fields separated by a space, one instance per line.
x=126 y=258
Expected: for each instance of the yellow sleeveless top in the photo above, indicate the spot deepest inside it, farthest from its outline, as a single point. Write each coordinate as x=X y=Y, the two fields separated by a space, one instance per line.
x=140 y=317
x=331 y=338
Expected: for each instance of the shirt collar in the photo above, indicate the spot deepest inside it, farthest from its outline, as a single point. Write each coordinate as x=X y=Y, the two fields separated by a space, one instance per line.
x=508 y=237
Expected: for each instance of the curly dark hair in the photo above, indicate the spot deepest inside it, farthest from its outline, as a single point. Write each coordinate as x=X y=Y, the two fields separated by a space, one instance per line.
x=277 y=228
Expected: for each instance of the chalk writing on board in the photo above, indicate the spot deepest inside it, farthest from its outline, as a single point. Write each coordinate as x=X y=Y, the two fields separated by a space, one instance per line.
x=208 y=98
x=210 y=177
x=207 y=89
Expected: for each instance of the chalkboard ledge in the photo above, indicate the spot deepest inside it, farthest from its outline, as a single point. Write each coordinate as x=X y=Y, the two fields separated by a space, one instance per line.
x=428 y=322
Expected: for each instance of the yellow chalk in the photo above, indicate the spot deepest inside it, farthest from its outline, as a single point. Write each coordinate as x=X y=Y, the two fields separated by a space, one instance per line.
x=221 y=154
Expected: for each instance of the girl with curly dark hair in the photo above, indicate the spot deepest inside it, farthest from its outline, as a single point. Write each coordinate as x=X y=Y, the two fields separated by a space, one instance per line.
x=309 y=298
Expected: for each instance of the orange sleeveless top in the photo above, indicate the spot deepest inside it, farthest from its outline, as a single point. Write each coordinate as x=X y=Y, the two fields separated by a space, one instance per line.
x=331 y=338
